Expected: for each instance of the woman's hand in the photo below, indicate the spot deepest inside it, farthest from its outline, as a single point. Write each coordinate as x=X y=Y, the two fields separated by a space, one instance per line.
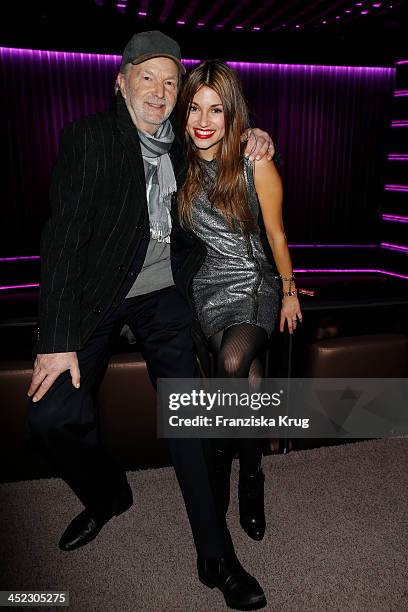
x=290 y=312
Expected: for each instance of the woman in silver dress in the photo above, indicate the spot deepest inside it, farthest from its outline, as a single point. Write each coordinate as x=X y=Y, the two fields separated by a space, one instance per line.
x=234 y=206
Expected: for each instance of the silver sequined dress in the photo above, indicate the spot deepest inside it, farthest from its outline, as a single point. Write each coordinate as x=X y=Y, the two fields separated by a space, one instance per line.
x=236 y=283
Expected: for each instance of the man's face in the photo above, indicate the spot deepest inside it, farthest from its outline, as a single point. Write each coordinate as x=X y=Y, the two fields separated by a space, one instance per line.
x=150 y=91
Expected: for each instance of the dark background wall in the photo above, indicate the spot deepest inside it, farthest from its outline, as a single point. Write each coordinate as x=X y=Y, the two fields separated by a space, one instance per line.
x=374 y=39
x=330 y=124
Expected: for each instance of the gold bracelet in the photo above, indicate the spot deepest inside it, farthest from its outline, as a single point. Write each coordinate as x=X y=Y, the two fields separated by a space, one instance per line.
x=291 y=278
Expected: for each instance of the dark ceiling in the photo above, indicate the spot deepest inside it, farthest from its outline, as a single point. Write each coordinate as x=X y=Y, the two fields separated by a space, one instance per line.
x=371 y=32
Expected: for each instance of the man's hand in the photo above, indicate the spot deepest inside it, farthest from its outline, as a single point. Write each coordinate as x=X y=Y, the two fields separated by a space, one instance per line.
x=259 y=144
x=48 y=367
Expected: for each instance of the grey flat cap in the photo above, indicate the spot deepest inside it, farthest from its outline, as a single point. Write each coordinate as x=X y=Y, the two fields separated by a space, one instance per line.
x=146 y=45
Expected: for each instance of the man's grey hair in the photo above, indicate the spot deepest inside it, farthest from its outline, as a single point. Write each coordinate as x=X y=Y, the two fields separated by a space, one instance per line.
x=123 y=70
x=126 y=69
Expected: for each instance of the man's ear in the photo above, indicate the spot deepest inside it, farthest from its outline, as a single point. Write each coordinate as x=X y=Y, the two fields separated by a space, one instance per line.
x=121 y=81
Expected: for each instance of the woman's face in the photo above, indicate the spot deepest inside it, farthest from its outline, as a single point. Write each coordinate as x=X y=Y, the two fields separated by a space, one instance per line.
x=205 y=124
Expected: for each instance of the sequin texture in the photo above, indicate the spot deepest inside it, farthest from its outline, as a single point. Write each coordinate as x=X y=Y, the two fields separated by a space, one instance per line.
x=236 y=283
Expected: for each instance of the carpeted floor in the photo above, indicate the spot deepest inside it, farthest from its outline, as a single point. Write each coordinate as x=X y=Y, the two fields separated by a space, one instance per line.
x=337 y=538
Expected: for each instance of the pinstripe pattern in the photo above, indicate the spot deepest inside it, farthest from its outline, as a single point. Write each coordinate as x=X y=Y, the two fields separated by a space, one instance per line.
x=98 y=218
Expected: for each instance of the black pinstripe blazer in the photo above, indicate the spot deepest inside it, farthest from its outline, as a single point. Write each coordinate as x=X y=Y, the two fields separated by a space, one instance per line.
x=95 y=232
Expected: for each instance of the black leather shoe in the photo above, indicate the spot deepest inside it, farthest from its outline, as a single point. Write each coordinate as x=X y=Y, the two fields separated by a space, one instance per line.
x=251 y=503
x=85 y=527
x=223 y=462
x=241 y=590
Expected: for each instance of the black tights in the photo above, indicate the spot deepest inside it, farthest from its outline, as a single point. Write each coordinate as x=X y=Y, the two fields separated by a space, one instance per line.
x=236 y=351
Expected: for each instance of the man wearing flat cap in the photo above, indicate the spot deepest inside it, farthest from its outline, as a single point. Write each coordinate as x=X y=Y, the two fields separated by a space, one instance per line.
x=113 y=253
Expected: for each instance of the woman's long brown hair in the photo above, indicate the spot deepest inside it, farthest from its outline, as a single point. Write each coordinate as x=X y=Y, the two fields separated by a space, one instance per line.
x=229 y=193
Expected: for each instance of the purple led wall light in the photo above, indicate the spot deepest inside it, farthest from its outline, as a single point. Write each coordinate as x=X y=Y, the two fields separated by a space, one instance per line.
x=394 y=247
x=8 y=287
x=395 y=218
x=66 y=56
x=291 y=246
x=333 y=246
x=296 y=270
x=398 y=156
x=20 y=258
x=403 y=188
x=348 y=271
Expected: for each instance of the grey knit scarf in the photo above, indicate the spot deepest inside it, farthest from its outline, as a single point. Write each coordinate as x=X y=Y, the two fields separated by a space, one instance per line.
x=160 y=179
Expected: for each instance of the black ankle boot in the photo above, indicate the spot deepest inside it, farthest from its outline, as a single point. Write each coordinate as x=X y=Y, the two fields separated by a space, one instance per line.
x=251 y=503
x=223 y=462
x=241 y=590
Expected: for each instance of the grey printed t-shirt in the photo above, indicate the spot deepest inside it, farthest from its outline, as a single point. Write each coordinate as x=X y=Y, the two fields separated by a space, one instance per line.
x=156 y=271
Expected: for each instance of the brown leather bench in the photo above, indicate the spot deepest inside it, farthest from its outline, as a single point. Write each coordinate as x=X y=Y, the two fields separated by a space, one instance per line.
x=366 y=356
x=127 y=423
x=128 y=403
x=369 y=356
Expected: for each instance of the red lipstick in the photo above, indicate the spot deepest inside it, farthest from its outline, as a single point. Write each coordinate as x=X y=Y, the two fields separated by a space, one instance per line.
x=204 y=136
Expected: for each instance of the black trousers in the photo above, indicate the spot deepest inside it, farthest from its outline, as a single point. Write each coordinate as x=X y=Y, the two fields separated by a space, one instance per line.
x=64 y=423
